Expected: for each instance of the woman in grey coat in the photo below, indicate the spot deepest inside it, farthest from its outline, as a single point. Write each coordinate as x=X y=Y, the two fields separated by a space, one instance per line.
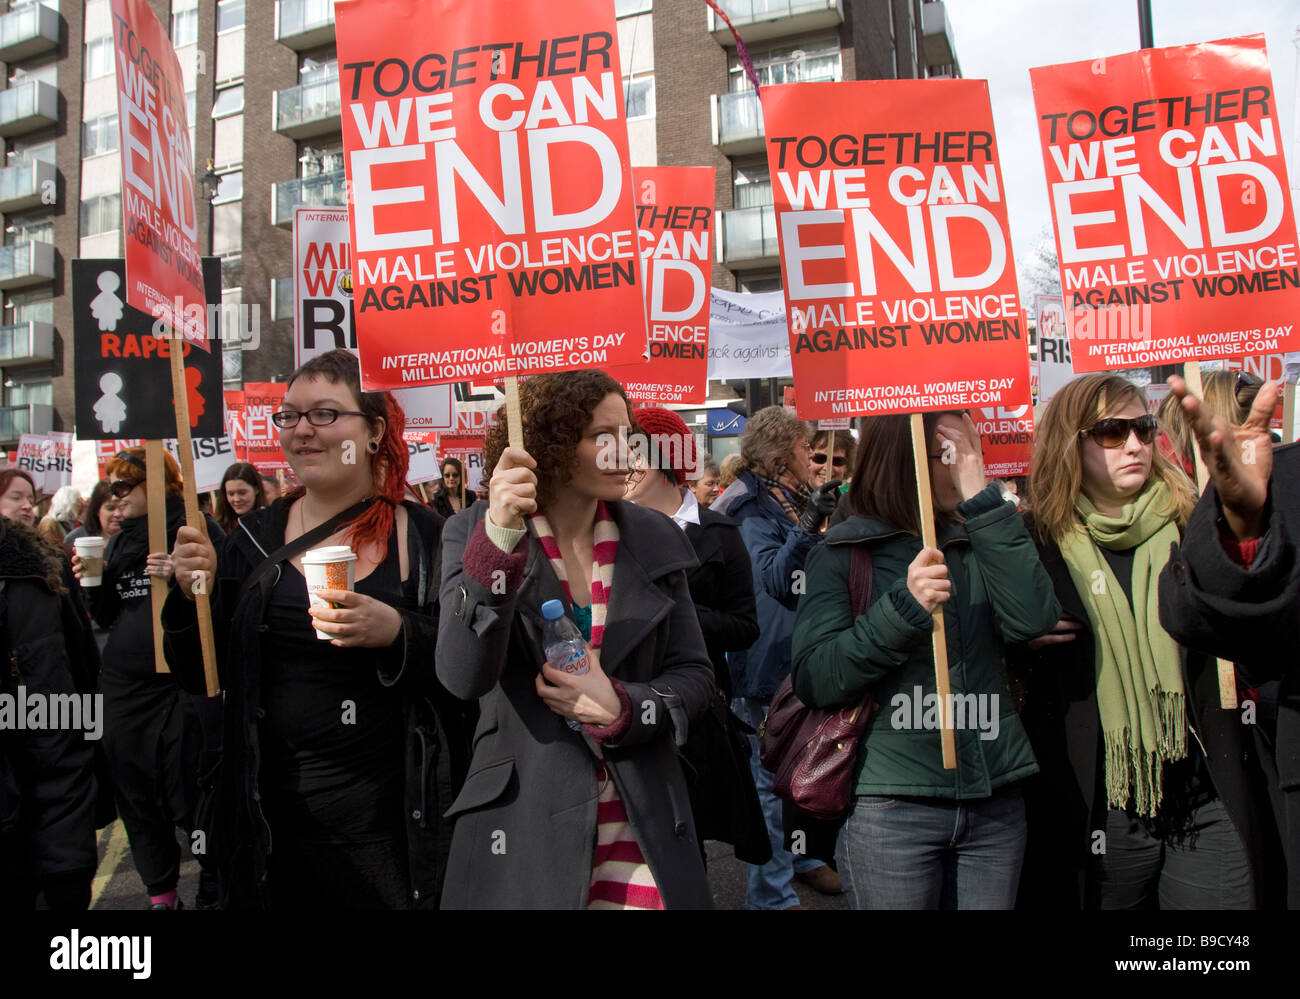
x=575 y=796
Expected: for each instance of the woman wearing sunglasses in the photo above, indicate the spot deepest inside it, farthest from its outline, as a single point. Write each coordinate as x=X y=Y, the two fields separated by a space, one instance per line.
x=153 y=729
x=1145 y=793
x=832 y=456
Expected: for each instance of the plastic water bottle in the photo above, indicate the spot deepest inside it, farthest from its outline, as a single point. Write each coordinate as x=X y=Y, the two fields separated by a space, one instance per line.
x=565 y=648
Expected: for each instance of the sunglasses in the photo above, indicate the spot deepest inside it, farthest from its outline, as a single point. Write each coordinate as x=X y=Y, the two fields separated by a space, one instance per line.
x=1246 y=388
x=1113 y=432
x=287 y=419
x=121 y=489
x=819 y=458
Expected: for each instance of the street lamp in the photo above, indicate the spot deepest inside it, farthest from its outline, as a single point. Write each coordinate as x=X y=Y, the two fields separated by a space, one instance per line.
x=209 y=184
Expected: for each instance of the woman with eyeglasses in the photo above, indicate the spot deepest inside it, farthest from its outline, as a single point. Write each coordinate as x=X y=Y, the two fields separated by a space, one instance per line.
x=575 y=797
x=153 y=729
x=448 y=498
x=1147 y=792
x=337 y=752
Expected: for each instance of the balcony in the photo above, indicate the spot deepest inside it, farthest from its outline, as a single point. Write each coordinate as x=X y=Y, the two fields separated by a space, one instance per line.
x=323 y=190
x=304 y=24
x=26 y=343
x=758 y=20
x=25 y=264
x=737 y=123
x=31 y=418
x=308 y=110
x=25 y=107
x=747 y=237
x=28 y=32
x=27 y=185
x=936 y=37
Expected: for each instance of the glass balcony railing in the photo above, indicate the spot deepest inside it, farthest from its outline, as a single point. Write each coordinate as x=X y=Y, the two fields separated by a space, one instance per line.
x=760 y=19
x=29 y=418
x=26 y=343
x=28 y=106
x=304 y=24
x=740 y=120
x=749 y=236
x=28 y=32
x=321 y=191
x=27 y=185
x=26 y=263
x=308 y=109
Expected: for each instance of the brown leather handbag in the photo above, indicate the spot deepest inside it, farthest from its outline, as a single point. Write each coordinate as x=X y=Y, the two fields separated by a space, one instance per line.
x=812 y=753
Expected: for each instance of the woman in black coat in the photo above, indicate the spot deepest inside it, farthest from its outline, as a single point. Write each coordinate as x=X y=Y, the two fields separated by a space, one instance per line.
x=1149 y=793
x=448 y=498
x=1233 y=590
x=575 y=796
x=47 y=783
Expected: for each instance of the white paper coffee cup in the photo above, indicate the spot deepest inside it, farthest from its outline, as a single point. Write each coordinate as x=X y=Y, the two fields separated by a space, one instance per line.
x=333 y=567
x=91 y=552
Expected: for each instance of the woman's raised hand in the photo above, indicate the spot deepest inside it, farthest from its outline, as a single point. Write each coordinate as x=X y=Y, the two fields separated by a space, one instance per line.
x=963 y=456
x=512 y=492
x=194 y=561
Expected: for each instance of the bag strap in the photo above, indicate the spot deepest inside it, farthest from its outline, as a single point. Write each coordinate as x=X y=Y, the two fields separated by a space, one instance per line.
x=860 y=578
x=302 y=543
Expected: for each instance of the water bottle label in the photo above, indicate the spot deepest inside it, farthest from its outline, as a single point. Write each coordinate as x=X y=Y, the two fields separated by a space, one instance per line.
x=575 y=663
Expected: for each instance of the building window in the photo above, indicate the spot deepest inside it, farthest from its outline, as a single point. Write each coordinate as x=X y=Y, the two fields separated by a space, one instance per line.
x=229 y=101
x=29 y=229
x=810 y=61
x=231 y=187
x=185 y=27
x=228 y=141
x=28 y=307
x=316 y=160
x=639 y=96
x=232 y=365
x=230 y=14
x=227 y=232
x=753 y=185
x=626 y=8
x=282 y=298
x=102 y=214
x=24 y=150
x=29 y=390
x=99 y=58
x=99 y=135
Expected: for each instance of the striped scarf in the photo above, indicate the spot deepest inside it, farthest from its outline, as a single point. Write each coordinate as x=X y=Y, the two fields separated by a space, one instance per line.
x=793 y=501
x=605 y=550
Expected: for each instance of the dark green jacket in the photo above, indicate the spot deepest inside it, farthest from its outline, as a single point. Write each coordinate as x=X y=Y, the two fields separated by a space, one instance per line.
x=1000 y=594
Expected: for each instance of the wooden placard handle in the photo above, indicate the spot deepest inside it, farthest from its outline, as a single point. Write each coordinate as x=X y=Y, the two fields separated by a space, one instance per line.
x=1288 y=413
x=193 y=517
x=155 y=487
x=1227 y=672
x=939 y=638
x=514 y=418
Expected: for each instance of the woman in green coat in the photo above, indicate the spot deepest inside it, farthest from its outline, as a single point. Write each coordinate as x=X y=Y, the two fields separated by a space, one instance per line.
x=920 y=836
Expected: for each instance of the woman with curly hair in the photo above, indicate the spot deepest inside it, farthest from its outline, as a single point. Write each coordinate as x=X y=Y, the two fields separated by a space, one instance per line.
x=1148 y=790
x=241 y=492
x=780 y=520
x=575 y=797
x=330 y=748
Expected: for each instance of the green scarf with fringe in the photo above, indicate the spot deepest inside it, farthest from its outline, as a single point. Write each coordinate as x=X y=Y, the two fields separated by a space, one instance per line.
x=1139 y=673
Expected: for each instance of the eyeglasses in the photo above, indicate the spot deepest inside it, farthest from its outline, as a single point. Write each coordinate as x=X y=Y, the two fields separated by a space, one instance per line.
x=287 y=419
x=1114 y=431
x=819 y=458
x=121 y=489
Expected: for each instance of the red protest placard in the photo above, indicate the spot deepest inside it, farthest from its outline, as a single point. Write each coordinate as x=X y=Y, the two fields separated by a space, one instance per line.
x=674 y=216
x=261 y=436
x=492 y=219
x=1170 y=198
x=1266 y=367
x=1007 y=437
x=900 y=285
x=234 y=401
x=164 y=276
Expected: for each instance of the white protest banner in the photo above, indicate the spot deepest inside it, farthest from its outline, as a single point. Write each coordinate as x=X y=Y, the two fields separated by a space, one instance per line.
x=422 y=448
x=748 y=336
x=1054 y=367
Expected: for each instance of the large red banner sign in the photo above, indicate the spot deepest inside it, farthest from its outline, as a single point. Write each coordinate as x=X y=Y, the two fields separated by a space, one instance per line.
x=899 y=280
x=164 y=276
x=1169 y=193
x=261 y=436
x=674 y=215
x=492 y=221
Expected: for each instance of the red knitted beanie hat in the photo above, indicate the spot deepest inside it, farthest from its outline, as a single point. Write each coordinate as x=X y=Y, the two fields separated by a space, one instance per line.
x=675 y=444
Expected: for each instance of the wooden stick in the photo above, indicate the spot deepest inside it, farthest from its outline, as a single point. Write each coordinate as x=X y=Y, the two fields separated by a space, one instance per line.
x=423 y=495
x=1227 y=671
x=155 y=487
x=1288 y=413
x=939 y=639
x=514 y=417
x=193 y=518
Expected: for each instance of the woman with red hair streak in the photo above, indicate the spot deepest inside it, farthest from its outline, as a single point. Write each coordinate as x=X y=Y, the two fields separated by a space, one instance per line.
x=336 y=751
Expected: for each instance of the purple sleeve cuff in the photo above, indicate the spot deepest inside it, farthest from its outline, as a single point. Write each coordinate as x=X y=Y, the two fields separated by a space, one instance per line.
x=616 y=729
x=482 y=560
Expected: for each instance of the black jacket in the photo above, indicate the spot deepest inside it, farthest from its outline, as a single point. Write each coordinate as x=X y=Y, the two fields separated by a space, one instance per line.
x=722 y=588
x=441 y=503
x=1250 y=616
x=47 y=784
x=1065 y=804
x=437 y=725
x=526 y=819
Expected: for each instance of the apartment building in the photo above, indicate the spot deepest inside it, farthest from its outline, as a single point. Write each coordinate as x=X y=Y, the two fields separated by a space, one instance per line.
x=261 y=79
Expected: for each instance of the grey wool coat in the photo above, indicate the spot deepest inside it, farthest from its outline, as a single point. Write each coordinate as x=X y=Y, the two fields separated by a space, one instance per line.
x=525 y=820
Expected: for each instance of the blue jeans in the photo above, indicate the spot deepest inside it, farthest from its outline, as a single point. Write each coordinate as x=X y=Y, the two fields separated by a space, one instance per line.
x=933 y=853
x=770 y=884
